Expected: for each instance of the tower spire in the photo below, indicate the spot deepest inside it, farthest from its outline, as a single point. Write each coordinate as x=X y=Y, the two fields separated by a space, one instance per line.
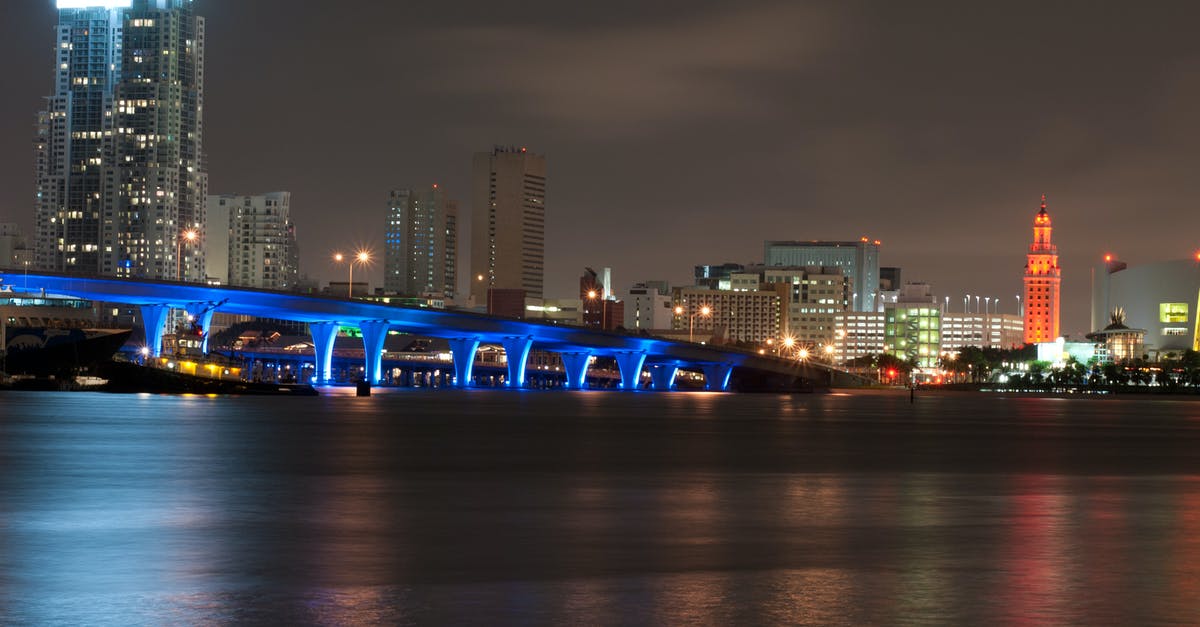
x=1043 y=201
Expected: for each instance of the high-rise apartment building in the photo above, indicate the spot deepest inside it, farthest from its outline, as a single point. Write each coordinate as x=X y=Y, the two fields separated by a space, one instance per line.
x=508 y=222
x=119 y=153
x=252 y=241
x=857 y=260
x=1043 y=279
x=421 y=243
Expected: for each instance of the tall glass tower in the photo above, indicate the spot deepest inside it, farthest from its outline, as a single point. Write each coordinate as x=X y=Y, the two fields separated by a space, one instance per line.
x=421 y=254
x=120 y=165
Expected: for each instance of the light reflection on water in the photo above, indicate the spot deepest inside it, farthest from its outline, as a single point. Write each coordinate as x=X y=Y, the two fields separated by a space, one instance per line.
x=601 y=508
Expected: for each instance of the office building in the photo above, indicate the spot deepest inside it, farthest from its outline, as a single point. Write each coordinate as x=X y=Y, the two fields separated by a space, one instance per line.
x=1043 y=279
x=814 y=296
x=508 y=222
x=859 y=261
x=119 y=153
x=728 y=315
x=600 y=309
x=858 y=335
x=421 y=243
x=13 y=253
x=252 y=241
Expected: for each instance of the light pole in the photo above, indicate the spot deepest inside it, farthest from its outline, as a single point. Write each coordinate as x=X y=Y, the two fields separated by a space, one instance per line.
x=1018 y=304
x=967 y=303
x=189 y=235
x=987 y=305
x=977 y=304
x=704 y=311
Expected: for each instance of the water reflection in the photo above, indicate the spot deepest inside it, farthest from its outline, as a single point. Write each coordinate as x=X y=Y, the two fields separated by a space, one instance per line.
x=551 y=508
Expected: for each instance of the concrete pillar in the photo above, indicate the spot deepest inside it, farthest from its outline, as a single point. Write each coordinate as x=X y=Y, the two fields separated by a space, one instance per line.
x=464 y=349
x=576 y=365
x=154 y=319
x=663 y=376
x=516 y=350
x=630 y=364
x=203 y=314
x=716 y=377
x=374 y=332
x=323 y=335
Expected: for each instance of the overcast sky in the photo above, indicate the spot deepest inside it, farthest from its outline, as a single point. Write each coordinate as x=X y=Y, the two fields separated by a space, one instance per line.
x=682 y=133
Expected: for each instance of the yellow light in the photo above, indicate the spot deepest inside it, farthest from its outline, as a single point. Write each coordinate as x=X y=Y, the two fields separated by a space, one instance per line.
x=190 y=235
x=364 y=256
x=591 y=294
x=338 y=257
x=678 y=311
x=705 y=310
x=789 y=341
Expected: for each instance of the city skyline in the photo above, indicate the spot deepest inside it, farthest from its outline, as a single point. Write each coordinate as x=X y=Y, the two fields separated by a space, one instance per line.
x=814 y=122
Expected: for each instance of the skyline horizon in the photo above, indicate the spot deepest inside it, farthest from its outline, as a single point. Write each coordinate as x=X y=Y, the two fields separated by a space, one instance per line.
x=944 y=192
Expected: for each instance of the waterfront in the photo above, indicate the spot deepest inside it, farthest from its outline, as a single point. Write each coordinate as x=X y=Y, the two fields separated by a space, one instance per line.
x=494 y=507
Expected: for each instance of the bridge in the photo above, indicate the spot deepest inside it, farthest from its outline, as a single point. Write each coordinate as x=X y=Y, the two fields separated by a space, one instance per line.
x=465 y=332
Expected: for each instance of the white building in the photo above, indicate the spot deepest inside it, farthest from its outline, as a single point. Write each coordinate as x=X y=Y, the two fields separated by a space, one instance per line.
x=1003 y=331
x=858 y=334
x=252 y=241
x=814 y=296
x=648 y=306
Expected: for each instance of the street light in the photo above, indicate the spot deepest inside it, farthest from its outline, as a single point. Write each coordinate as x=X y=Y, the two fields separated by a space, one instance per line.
x=802 y=354
x=362 y=257
x=987 y=305
x=704 y=311
x=189 y=235
x=1018 y=304
x=967 y=303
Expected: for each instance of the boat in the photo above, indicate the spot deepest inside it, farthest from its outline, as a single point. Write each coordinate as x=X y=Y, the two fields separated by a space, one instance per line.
x=50 y=351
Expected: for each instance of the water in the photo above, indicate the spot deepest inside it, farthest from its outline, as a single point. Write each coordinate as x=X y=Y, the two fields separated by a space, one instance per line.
x=487 y=507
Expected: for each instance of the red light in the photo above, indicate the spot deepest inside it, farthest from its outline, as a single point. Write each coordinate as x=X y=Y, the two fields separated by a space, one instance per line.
x=1108 y=258
x=891 y=373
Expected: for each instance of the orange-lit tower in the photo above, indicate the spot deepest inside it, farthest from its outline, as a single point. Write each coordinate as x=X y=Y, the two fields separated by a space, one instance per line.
x=1042 y=281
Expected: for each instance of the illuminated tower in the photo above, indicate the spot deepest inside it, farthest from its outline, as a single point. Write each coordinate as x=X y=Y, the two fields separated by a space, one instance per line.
x=508 y=222
x=1042 y=281
x=120 y=163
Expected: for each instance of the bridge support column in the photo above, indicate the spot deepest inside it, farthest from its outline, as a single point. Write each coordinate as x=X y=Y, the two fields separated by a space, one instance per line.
x=374 y=332
x=663 y=376
x=716 y=377
x=516 y=351
x=576 y=366
x=630 y=365
x=203 y=315
x=154 y=319
x=323 y=335
x=464 y=349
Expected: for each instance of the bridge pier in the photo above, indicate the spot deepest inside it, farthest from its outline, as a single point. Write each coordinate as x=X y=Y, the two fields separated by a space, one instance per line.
x=202 y=313
x=464 y=349
x=716 y=377
x=516 y=351
x=323 y=335
x=374 y=332
x=576 y=366
x=663 y=376
x=154 y=320
x=630 y=364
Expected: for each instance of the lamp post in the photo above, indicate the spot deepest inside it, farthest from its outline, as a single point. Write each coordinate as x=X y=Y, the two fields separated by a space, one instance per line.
x=1018 y=304
x=704 y=311
x=976 y=304
x=987 y=305
x=966 y=303
x=189 y=235
x=363 y=257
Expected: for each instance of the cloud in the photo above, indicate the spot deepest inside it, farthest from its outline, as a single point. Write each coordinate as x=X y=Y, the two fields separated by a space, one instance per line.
x=633 y=78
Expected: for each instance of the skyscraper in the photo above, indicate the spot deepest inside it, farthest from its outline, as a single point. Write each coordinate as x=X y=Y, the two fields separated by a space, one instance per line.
x=508 y=222
x=421 y=243
x=1042 y=282
x=252 y=241
x=857 y=260
x=120 y=165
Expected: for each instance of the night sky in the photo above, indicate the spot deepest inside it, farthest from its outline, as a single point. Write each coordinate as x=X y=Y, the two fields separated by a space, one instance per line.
x=688 y=132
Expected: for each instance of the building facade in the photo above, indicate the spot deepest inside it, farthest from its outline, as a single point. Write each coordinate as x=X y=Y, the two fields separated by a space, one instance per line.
x=1043 y=280
x=859 y=261
x=508 y=222
x=119 y=149
x=814 y=296
x=858 y=334
x=913 y=327
x=252 y=241
x=648 y=306
x=959 y=330
x=1161 y=298
x=421 y=243
x=735 y=316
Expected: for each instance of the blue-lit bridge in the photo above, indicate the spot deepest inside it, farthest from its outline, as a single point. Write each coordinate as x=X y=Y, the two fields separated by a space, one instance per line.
x=464 y=331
